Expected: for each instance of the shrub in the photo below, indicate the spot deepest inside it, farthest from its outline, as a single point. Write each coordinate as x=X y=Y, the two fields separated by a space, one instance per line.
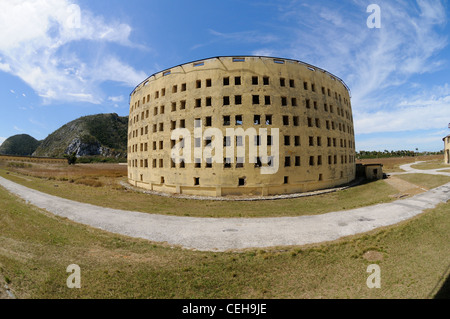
x=89 y=182
x=19 y=165
x=71 y=158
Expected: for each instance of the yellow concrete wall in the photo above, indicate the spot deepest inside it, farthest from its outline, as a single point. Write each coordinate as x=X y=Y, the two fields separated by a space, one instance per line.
x=151 y=105
x=374 y=171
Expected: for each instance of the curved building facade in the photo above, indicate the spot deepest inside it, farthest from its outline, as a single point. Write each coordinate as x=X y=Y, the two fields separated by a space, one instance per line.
x=242 y=125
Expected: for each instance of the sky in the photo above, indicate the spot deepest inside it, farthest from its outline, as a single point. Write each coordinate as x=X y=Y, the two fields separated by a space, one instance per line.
x=62 y=59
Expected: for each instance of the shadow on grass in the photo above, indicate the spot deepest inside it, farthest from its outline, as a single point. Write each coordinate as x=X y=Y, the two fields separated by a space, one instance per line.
x=444 y=292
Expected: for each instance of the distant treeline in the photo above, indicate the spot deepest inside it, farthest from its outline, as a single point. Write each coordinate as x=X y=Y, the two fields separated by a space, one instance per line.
x=386 y=153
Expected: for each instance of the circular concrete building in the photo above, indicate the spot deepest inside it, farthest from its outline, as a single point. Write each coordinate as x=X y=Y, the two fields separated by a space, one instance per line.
x=241 y=125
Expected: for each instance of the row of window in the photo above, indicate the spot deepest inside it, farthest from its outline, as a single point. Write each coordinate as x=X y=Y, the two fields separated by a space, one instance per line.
x=289 y=161
x=237 y=81
x=198 y=103
x=287 y=139
x=239 y=121
x=242 y=181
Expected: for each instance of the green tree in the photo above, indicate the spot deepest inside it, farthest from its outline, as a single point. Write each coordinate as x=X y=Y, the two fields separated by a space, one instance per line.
x=71 y=158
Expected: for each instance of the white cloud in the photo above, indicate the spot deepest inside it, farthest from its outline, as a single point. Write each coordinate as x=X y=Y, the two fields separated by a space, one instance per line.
x=18 y=129
x=116 y=99
x=37 y=41
x=376 y=63
x=264 y=52
x=37 y=123
x=427 y=110
x=4 y=67
x=238 y=38
x=424 y=142
x=244 y=36
x=372 y=59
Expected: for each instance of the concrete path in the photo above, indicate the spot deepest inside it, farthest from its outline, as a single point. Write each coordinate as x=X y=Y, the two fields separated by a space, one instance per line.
x=220 y=234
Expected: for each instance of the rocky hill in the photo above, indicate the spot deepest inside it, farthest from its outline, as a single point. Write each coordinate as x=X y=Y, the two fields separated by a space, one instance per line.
x=19 y=145
x=95 y=135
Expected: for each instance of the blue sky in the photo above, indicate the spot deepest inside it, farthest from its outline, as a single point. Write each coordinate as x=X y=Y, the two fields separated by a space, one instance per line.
x=62 y=59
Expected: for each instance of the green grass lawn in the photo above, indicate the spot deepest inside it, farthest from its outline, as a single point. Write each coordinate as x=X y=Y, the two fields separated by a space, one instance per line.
x=424 y=180
x=36 y=248
x=434 y=164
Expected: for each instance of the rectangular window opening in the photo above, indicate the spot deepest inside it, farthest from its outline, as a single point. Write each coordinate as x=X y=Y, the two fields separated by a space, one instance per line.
x=287 y=161
x=238 y=119
x=292 y=83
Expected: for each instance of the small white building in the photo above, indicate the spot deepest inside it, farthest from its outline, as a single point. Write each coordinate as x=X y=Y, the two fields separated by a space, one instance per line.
x=447 y=149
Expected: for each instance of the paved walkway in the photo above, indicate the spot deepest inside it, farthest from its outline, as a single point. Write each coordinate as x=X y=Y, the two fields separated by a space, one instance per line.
x=220 y=234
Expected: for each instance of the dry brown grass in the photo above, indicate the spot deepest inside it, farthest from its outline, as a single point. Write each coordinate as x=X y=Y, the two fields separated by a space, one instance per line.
x=89 y=182
x=392 y=164
x=74 y=171
x=434 y=164
x=94 y=175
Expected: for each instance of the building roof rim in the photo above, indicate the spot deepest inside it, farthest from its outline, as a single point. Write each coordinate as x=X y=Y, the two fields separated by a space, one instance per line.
x=245 y=56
